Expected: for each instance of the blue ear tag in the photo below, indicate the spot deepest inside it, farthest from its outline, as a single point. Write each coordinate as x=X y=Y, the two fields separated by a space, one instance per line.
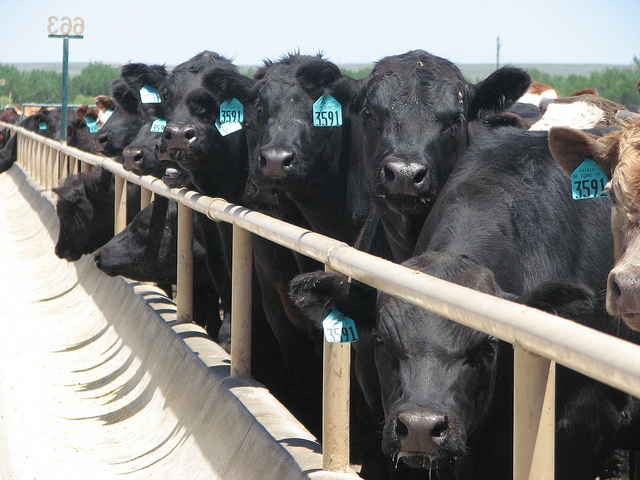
x=227 y=128
x=42 y=126
x=158 y=125
x=327 y=112
x=231 y=111
x=149 y=95
x=92 y=124
x=588 y=181
x=339 y=328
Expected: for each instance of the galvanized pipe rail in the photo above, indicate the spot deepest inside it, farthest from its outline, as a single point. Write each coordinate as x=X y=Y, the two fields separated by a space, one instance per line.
x=539 y=339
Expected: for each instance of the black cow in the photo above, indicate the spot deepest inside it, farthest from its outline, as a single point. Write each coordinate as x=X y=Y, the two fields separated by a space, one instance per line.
x=217 y=166
x=139 y=156
x=146 y=251
x=318 y=167
x=85 y=210
x=45 y=122
x=123 y=124
x=417 y=110
x=507 y=208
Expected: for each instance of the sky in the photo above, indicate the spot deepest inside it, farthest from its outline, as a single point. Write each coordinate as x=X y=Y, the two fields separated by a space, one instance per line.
x=346 y=31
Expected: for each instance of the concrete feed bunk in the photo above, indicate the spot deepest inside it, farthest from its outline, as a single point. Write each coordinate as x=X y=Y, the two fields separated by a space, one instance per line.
x=97 y=380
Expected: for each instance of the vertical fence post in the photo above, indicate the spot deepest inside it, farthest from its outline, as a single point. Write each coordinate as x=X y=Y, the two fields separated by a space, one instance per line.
x=241 y=303
x=145 y=197
x=534 y=416
x=120 y=209
x=185 y=264
x=336 y=391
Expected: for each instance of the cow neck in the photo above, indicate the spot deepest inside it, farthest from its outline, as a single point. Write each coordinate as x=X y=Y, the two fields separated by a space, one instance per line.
x=227 y=183
x=402 y=231
x=331 y=202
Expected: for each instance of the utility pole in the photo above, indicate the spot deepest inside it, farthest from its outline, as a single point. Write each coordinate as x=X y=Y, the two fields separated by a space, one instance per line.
x=65 y=28
x=497 y=53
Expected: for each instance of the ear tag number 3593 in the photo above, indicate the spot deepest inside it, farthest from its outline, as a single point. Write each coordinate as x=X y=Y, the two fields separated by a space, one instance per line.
x=327 y=112
x=588 y=181
x=339 y=328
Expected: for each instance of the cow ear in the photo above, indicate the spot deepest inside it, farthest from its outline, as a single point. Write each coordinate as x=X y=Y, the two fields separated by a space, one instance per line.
x=104 y=103
x=316 y=293
x=498 y=91
x=318 y=75
x=70 y=193
x=124 y=96
x=225 y=83
x=563 y=298
x=570 y=147
x=346 y=91
x=137 y=75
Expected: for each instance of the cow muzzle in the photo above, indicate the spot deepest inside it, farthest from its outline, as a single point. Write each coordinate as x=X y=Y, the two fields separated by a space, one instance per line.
x=180 y=136
x=421 y=439
x=623 y=294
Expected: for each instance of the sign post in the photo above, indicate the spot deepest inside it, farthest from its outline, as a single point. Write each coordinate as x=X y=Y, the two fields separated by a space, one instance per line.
x=63 y=30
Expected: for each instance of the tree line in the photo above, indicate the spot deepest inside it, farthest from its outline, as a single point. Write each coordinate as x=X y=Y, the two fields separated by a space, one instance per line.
x=40 y=86
x=43 y=86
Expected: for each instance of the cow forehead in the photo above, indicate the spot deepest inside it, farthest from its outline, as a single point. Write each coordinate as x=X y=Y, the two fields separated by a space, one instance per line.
x=415 y=331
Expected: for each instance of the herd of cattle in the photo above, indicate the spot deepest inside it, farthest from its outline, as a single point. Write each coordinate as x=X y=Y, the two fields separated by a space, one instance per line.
x=467 y=182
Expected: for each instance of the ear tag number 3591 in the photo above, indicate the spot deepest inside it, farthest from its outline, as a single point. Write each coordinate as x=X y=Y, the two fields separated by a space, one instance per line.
x=588 y=181
x=149 y=95
x=339 y=328
x=327 y=112
x=231 y=111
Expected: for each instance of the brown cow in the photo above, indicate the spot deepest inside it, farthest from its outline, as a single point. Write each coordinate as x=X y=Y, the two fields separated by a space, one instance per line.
x=618 y=153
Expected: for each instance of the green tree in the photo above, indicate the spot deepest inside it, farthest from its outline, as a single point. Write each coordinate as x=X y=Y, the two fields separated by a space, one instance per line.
x=12 y=81
x=40 y=86
x=95 y=79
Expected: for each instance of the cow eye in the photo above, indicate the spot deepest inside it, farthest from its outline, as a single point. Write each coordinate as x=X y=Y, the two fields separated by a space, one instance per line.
x=454 y=124
x=378 y=341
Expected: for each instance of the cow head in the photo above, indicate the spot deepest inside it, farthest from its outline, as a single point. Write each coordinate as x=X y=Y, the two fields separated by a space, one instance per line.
x=123 y=124
x=146 y=249
x=436 y=379
x=82 y=206
x=618 y=155
x=415 y=108
x=191 y=138
x=139 y=156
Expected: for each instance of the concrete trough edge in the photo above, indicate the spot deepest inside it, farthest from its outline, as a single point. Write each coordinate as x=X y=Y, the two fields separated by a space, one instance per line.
x=244 y=431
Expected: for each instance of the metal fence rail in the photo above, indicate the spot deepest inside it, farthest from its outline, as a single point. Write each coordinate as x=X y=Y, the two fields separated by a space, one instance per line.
x=539 y=339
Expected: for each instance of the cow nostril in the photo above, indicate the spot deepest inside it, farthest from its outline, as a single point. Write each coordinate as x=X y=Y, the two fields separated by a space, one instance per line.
x=402 y=431
x=138 y=157
x=189 y=133
x=440 y=428
x=389 y=176
x=420 y=176
x=614 y=289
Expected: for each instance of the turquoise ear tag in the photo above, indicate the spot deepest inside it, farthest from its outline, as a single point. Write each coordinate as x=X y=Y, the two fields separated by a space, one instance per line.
x=327 y=112
x=158 y=125
x=339 y=328
x=588 y=181
x=149 y=95
x=107 y=114
x=92 y=124
x=231 y=111
x=42 y=126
